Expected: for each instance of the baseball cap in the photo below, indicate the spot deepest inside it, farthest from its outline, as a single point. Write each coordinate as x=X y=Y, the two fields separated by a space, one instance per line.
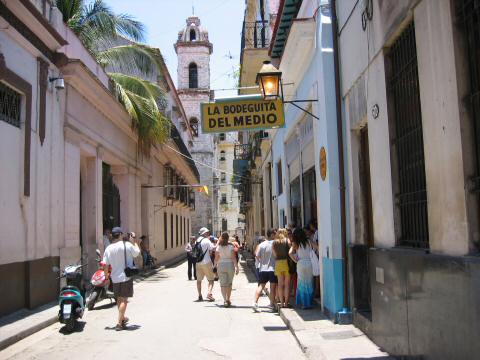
x=202 y=231
x=117 y=230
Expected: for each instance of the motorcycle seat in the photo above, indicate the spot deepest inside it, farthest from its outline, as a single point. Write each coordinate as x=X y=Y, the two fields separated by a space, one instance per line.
x=70 y=287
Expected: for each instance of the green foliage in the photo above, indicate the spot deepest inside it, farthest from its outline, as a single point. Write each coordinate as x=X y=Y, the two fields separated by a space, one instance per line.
x=101 y=31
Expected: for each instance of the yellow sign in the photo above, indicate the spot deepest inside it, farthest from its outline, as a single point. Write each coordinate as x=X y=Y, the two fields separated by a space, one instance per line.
x=323 y=163
x=240 y=115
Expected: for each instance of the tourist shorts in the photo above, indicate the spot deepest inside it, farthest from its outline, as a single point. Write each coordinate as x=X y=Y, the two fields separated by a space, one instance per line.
x=281 y=268
x=205 y=270
x=226 y=270
x=267 y=276
x=123 y=289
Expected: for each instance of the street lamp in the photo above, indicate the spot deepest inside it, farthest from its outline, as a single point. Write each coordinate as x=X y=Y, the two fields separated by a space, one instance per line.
x=269 y=79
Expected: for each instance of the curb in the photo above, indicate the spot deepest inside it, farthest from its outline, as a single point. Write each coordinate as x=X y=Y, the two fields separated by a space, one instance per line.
x=27 y=332
x=292 y=330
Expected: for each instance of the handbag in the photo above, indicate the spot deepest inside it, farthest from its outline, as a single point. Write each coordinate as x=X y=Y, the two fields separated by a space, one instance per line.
x=129 y=272
x=315 y=263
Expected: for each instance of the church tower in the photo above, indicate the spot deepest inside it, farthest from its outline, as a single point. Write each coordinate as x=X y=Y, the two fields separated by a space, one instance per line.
x=193 y=53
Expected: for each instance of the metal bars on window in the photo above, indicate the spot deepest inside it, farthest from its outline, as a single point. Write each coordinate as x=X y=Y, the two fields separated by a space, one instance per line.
x=10 y=102
x=468 y=17
x=407 y=145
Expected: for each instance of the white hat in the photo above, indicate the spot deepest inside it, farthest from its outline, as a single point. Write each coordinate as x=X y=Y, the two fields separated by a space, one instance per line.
x=202 y=231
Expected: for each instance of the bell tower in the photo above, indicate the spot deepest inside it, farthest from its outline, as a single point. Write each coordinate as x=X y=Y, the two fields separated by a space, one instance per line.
x=193 y=86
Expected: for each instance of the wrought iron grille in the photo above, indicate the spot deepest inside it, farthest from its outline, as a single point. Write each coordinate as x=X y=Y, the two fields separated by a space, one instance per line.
x=407 y=144
x=10 y=102
x=255 y=35
x=468 y=17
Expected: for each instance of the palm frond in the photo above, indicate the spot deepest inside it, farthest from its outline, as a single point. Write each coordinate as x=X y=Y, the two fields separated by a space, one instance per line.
x=69 y=8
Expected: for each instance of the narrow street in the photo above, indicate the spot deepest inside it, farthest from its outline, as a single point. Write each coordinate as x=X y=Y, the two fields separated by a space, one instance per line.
x=167 y=323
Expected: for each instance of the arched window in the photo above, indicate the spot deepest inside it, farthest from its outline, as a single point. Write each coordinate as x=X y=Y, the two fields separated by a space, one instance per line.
x=194 y=126
x=222 y=155
x=192 y=76
x=193 y=35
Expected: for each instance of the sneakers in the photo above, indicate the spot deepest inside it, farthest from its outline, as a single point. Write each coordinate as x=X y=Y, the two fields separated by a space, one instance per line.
x=255 y=307
x=272 y=307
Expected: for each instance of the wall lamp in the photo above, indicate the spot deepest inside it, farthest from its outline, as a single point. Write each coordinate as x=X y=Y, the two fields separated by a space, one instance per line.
x=168 y=202
x=58 y=82
x=269 y=79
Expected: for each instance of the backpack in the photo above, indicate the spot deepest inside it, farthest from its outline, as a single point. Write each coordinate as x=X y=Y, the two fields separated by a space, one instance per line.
x=197 y=254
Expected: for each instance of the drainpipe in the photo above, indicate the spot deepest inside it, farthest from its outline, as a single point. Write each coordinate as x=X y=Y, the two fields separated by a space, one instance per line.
x=338 y=103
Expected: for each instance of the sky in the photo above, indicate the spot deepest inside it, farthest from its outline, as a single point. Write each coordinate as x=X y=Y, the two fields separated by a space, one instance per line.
x=163 y=20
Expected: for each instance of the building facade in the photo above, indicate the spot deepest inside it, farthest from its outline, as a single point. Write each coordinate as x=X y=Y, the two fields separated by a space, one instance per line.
x=193 y=52
x=76 y=169
x=409 y=79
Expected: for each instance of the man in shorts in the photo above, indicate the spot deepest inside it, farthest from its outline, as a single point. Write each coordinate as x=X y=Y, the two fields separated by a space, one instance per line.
x=120 y=254
x=264 y=255
x=205 y=265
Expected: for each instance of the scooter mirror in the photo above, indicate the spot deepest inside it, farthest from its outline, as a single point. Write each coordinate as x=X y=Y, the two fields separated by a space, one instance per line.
x=98 y=252
x=55 y=269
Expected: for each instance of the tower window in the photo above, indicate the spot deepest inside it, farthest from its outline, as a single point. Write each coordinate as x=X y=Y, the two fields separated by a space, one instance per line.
x=222 y=155
x=193 y=35
x=194 y=126
x=192 y=76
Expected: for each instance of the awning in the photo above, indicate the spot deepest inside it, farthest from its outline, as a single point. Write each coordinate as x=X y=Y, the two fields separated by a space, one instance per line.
x=289 y=12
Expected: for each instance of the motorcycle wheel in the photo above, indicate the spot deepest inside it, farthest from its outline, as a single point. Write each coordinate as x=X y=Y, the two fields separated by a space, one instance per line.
x=70 y=324
x=91 y=299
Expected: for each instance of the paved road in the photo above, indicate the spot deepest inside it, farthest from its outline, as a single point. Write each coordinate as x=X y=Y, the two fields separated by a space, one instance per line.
x=166 y=323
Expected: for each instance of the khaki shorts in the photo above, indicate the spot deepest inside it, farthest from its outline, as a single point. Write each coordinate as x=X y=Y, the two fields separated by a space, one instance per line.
x=123 y=289
x=205 y=270
x=226 y=271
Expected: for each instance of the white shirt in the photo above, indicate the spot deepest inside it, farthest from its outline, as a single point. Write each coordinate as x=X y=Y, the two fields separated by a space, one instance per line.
x=115 y=256
x=225 y=253
x=265 y=254
x=206 y=246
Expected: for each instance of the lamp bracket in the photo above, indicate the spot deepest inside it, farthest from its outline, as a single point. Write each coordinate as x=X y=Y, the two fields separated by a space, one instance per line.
x=293 y=102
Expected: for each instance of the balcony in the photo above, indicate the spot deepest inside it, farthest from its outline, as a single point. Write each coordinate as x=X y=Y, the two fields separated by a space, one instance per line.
x=255 y=35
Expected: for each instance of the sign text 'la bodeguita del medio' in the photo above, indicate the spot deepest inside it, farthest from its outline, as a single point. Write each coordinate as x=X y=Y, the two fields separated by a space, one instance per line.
x=241 y=115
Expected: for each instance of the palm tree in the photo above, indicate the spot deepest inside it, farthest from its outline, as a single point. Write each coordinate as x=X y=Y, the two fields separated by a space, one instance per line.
x=128 y=65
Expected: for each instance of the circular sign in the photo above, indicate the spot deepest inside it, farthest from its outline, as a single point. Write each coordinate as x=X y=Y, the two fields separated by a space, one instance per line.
x=323 y=163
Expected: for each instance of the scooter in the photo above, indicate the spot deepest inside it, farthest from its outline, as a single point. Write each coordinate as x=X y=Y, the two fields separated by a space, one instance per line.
x=99 y=289
x=71 y=296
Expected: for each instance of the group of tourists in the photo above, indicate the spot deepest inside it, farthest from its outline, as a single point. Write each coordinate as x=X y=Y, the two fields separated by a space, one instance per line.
x=287 y=259
x=215 y=259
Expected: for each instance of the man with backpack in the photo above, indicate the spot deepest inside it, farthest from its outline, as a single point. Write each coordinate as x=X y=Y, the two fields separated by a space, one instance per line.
x=201 y=253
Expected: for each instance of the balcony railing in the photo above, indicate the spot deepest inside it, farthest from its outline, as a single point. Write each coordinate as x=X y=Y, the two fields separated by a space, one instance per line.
x=242 y=151
x=255 y=35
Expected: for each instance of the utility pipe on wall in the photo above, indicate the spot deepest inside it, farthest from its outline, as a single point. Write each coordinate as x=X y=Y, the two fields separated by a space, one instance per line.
x=341 y=169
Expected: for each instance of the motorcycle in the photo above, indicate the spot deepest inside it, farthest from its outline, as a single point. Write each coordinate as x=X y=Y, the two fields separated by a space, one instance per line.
x=70 y=299
x=99 y=289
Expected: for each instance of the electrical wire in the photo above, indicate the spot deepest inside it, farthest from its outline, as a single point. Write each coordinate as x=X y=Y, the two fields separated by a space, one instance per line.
x=203 y=164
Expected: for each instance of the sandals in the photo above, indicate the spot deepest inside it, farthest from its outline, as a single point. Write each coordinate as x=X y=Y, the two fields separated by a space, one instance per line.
x=210 y=297
x=227 y=303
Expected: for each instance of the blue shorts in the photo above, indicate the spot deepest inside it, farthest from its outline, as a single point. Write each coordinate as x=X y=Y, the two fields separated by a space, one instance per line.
x=267 y=276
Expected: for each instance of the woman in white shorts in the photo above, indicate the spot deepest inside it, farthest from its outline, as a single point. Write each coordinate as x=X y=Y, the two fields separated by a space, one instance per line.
x=226 y=264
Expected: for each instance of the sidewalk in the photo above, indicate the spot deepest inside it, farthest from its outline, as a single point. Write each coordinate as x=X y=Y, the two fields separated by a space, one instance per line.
x=320 y=338
x=23 y=323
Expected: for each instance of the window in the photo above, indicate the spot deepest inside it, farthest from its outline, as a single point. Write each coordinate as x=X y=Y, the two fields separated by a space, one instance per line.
x=224 y=225
x=222 y=155
x=188 y=228
x=221 y=136
x=194 y=126
x=223 y=177
x=279 y=178
x=223 y=199
x=171 y=231
x=192 y=76
x=10 y=102
x=185 y=239
x=165 y=232
x=193 y=35
x=405 y=121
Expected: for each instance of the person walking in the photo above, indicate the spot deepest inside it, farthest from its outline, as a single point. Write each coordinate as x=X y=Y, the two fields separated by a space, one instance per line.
x=119 y=255
x=190 y=259
x=202 y=252
x=280 y=250
x=266 y=258
x=300 y=254
x=227 y=265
